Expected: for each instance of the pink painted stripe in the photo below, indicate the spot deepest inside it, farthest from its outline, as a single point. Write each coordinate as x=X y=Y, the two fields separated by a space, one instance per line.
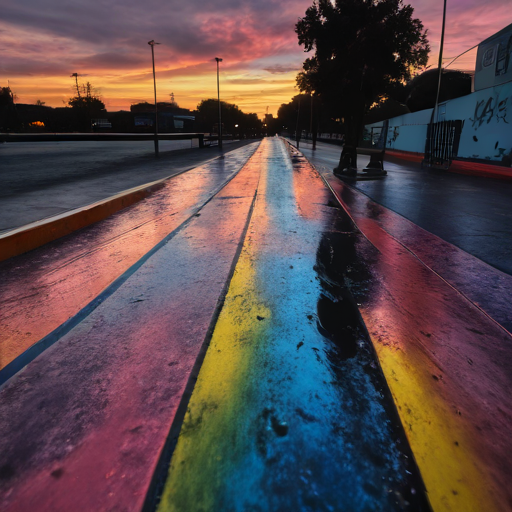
x=83 y=426
x=458 y=354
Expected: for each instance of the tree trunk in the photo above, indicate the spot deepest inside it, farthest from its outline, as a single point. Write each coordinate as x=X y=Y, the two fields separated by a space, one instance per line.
x=353 y=130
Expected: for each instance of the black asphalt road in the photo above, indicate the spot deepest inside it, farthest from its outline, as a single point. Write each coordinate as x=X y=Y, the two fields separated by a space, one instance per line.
x=42 y=179
x=471 y=212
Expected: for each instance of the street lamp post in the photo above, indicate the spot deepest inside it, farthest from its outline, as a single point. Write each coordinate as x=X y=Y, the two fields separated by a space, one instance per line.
x=152 y=44
x=440 y=64
x=218 y=99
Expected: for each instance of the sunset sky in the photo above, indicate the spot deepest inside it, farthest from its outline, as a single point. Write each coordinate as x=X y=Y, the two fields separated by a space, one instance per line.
x=42 y=42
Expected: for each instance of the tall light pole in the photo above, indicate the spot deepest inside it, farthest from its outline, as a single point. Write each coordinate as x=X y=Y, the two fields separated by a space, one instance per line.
x=218 y=99
x=433 y=118
x=75 y=75
x=152 y=44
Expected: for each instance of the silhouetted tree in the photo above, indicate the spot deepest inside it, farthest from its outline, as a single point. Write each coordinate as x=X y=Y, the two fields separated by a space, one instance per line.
x=207 y=118
x=385 y=109
x=162 y=106
x=295 y=115
x=8 y=115
x=6 y=96
x=362 y=47
x=86 y=106
x=422 y=89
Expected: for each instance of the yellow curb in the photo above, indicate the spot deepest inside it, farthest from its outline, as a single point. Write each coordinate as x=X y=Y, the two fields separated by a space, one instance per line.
x=36 y=234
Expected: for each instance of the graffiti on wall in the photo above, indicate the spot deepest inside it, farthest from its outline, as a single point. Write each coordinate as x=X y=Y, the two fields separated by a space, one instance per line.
x=502 y=110
x=486 y=110
x=393 y=135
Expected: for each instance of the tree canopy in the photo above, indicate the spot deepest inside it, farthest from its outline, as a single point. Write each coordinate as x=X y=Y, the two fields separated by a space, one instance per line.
x=6 y=97
x=87 y=98
x=289 y=114
x=86 y=105
x=420 y=92
x=362 y=48
x=207 y=118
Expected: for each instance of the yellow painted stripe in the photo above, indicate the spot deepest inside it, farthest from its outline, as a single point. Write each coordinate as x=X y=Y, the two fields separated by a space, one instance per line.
x=440 y=441
x=449 y=448
x=222 y=379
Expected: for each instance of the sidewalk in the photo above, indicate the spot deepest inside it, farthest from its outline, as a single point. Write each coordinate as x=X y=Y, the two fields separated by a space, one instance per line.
x=470 y=212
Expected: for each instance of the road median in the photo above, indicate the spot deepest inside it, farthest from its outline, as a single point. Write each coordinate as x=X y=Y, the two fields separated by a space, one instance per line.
x=36 y=234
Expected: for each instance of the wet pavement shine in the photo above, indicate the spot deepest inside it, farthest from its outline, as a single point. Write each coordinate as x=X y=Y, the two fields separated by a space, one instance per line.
x=440 y=321
x=47 y=287
x=471 y=212
x=290 y=410
x=255 y=336
x=84 y=424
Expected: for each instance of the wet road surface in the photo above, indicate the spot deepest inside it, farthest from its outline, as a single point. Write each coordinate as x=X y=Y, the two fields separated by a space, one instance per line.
x=83 y=425
x=42 y=179
x=440 y=321
x=46 y=287
x=472 y=213
x=291 y=408
x=290 y=411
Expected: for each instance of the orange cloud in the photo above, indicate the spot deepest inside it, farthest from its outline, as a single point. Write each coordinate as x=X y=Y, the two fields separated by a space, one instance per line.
x=107 y=43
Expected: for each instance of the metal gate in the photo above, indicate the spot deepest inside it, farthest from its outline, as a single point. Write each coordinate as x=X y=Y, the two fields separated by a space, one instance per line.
x=442 y=142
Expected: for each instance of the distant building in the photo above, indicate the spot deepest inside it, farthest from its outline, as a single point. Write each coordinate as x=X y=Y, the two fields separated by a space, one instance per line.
x=100 y=125
x=494 y=60
x=171 y=119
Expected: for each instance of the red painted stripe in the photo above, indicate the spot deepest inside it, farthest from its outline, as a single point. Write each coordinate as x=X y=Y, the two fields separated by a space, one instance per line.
x=460 y=166
x=406 y=155
x=107 y=393
x=435 y=343
x=481 y=169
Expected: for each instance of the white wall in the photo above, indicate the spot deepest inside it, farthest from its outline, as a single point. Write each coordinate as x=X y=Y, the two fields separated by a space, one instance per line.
x=408 y=132
x=487 y=124
x=487 y=130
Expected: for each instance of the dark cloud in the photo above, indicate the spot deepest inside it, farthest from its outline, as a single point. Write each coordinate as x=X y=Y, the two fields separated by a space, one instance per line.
x=190 y=28
x=108 y=38
x=112 y=61
x=279 y=69
x=15 y=66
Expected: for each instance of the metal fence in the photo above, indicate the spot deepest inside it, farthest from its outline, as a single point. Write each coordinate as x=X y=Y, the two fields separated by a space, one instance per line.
x=442 y=142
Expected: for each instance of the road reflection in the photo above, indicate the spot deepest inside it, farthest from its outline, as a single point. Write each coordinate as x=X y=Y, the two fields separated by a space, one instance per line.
x=289 y=411
x=42 y=289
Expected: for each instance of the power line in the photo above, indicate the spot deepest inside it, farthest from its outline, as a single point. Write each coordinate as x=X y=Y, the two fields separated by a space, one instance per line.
x=451 y=62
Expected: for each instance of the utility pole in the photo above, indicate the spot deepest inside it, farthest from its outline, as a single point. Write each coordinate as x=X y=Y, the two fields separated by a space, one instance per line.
x=77 y=88
x=152 y=44
x=218 y=99
x=297 y=134
x=433 y=119
x=440 y=64
x=313 y=137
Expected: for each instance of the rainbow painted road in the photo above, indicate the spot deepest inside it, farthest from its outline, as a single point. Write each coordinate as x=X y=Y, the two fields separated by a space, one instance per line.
x=256 y=337
x=290 y=410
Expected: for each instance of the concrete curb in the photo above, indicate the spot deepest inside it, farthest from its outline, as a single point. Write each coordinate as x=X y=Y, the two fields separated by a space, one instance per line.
x=36 y=234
